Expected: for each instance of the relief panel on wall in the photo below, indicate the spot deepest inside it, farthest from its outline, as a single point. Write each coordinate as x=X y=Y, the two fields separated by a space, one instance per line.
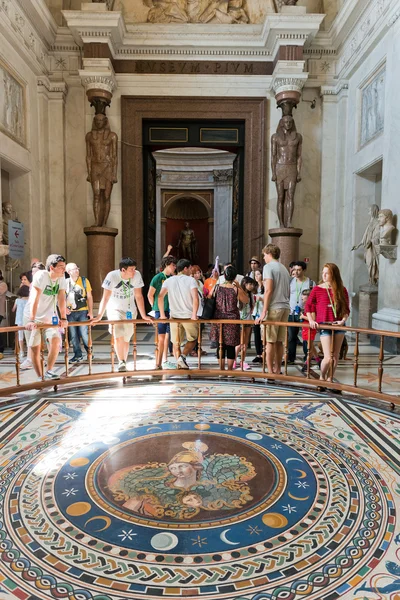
x=12 y=105
x=372 y=107
x=194 y=11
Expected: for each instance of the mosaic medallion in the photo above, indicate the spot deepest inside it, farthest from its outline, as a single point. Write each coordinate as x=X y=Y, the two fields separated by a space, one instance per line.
x=187 y=500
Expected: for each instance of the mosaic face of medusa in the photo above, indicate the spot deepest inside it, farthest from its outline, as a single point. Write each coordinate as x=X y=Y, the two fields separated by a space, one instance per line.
x=184 y=472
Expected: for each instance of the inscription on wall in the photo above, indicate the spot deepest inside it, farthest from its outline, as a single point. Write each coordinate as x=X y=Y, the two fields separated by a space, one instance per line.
x=159 y=67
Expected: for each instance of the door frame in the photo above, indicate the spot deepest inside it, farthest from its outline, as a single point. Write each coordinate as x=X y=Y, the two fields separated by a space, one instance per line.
x=136 y=109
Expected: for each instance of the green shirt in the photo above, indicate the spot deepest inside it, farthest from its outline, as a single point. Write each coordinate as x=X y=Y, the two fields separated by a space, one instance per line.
x=156 y=283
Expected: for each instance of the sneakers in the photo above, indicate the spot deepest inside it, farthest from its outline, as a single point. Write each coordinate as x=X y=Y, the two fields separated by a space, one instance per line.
x=237 y=366
x=51 y=375
x=181 y=362
x=167 y=365
x=27 y=364
x=76 y=359
x=121 y=366
x=257 y=360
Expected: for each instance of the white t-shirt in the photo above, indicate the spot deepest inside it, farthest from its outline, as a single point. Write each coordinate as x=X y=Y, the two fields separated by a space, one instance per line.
x=123 y=294
x=47 y=306
x=180 y=295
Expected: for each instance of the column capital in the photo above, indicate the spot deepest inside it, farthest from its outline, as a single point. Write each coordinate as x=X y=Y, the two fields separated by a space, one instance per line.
x=287 y=83
x=99 y=80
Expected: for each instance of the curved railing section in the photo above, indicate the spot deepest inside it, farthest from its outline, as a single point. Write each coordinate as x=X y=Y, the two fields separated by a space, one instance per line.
x=309 y=378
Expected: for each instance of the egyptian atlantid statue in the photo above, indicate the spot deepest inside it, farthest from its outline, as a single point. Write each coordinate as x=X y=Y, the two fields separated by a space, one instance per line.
x=387 y=228
x=369 y=241
x=102 y=163
x=286 y=148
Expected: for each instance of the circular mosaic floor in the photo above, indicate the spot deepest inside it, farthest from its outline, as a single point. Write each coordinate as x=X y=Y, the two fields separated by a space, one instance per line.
x=188 y=500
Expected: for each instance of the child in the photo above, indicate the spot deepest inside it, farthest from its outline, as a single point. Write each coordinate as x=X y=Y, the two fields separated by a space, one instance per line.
x=19 y=307
x=249 y=286
x=305 y=332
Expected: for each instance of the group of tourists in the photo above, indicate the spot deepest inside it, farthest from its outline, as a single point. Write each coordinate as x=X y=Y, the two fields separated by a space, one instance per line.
x=264 y=299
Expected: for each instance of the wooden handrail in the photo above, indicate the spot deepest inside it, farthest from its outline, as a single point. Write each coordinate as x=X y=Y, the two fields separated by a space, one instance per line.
x=307 y=381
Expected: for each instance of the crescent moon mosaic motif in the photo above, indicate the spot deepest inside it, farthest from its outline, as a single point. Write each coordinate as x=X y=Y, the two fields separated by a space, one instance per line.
x=248 y=506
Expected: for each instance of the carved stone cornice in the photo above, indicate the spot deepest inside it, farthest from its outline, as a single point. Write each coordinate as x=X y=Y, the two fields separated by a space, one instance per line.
x=334 y=90
x=54 y=90
x=196 y=40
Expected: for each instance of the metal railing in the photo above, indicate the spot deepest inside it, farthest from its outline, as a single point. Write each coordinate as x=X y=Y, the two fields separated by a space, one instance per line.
x=309 y=378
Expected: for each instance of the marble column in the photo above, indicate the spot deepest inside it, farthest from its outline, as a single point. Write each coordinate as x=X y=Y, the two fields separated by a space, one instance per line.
x=223 y=181
x=52 y=96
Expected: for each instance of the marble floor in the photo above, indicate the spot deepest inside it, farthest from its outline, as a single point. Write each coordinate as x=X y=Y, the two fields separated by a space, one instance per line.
x=198 y=489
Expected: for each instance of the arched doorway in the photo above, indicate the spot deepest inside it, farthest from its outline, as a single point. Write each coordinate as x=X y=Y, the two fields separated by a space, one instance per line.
x=182 y=208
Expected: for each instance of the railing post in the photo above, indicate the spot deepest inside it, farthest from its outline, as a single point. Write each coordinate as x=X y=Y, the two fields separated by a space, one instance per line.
x=308 y=352
x=112 y=352
x=134 y=345
x=356 y=355
x=264 y=347
x=42 y=353
x=90 y=348
x=330 y=375
x=286 y=350
x=199 y=346
x=156 y=344
x=241 y=345
x=17 y=361
x=381 y=357
x=220 y=342
x=66 y=350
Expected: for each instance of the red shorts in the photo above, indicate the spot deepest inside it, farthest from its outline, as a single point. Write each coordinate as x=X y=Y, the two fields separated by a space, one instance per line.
x=304 y=334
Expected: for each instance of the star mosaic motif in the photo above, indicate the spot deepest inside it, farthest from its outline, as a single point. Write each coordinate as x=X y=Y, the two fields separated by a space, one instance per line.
x=70 y=476
x=302 y=484
x=199 y=541
x=228 y=429
x=61 y=63
x=70 y=492
x=176 y=426
x=126 y=535
x=276 y=446
x=256 y=530
x=289 y=509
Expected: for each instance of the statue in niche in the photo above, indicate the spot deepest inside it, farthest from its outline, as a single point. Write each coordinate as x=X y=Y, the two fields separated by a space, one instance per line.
x=187 y=244
x=196 y=11
x=102 y=162
x=286 y=148
x=385 y=219
x=369 y=241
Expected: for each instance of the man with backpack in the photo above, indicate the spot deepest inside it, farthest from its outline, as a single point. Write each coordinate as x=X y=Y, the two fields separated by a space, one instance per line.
x=79 y=308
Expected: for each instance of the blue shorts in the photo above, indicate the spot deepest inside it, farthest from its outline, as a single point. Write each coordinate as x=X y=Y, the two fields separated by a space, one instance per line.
x=330 y=331
x=162 y=328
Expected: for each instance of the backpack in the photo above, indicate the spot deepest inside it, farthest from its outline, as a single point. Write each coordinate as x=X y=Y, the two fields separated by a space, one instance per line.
x=75 y=298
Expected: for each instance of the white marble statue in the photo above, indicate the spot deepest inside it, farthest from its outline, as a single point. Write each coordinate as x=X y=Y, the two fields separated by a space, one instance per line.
x=387 y=228
x=369 y=241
